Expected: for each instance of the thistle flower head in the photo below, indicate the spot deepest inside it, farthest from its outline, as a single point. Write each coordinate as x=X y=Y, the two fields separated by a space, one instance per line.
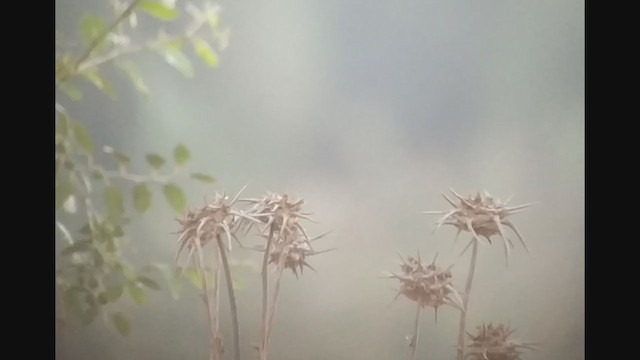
x=203 y=225
x=494 y=343
x=282 y=217
x=481 y=215
x=428 y=285
x=280 y=214
x=292 y=253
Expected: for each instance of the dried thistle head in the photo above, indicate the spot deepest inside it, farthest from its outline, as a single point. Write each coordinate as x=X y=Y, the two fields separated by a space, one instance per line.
x=494 y=343
x=281 y=215
x=428 y=285
x=481 y=216
x=292 y=253
x=203 y=225
x=290 y=244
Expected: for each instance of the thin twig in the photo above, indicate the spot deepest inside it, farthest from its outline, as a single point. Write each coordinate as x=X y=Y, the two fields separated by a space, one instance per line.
x=416 y=333
x=215 y=307
x=94 y=44
x=136 y=178
x=232 y=299
x=265 y=289
x=152 y=45
x=274 y=301
x=465 y=300
x=213 y=353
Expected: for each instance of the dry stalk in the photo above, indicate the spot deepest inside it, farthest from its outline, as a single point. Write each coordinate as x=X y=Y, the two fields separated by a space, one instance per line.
x=481 y=216
x=428 y=286
x=287 y=247
x=207 y=225
x=232 y=299
x=465 y=301
x=416 y=333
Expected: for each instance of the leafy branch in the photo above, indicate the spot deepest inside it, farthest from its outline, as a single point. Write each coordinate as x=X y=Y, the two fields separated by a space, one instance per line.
x=94 y=44
x=91 y=208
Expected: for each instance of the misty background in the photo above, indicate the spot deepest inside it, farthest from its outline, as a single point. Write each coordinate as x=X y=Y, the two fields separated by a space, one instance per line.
x=369 y=110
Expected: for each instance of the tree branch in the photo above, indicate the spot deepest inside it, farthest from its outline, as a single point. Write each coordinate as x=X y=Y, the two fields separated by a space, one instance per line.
x=125 y=14
x=152 y=45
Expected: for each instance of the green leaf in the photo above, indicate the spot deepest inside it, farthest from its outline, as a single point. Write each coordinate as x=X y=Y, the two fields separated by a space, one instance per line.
x=113 y=201
x=176 y=58
x=97 y=174
x=136 y=293
x=159 y=10
x=111 y=246
x=81 y=303
x=62 y=123
x=128 y=272
x=175 y=197
x=118 y=232
x=132 y=71
x=85 y=230
x=91 y=27
x=114 y=293
x=92 y=309
x=83 y=137
x=71 y=91
x=98 y=81
x=121 y=158
x=192 y=274
x=156 y=161
x=204 y=50
x=102 y=298
x=78 y=246
x=92 y=283
x=63 y=191
x=212 y=18
x=141 y=197
x=181 y=154
x=98 y=259
x=203 y=177
x=122 y=324
x=151 y=284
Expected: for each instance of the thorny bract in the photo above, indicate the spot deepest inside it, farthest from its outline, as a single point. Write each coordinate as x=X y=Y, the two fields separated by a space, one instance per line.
x=427 y=285
x=494 y=343
x=481 y=216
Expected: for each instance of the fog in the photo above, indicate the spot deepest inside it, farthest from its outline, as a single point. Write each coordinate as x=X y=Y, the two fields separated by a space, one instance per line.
x=368 y=110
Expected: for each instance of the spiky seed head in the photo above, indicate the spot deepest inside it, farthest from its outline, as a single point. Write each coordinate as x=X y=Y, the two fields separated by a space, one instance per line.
x=294 y=254
x=481 y=216
x=494 y=343
x=282 y=218
x=274 y=208
x=206 y=223
x=427 y=284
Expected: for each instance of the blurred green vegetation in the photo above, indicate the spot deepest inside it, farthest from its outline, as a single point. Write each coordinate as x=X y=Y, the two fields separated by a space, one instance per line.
x=98 y=196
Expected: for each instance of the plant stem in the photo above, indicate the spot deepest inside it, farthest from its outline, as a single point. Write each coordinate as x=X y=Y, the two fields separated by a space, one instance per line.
x=232 y=299
x=125 y=14
x=265 y=289
x=215 y=308
x=465 y=300
x=113 y=55
x=213 y=353
x=274 y=302
x=416 y=333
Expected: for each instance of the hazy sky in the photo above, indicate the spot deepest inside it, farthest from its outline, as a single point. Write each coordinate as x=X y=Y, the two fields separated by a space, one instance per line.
x=369 y=110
